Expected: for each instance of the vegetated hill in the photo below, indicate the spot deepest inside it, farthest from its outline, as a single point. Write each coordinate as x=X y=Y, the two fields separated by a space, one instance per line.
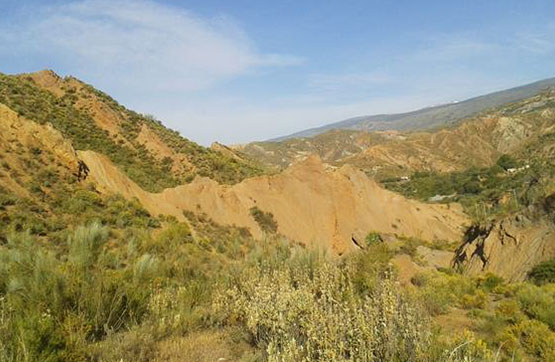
x=431 y=117
x=152 y=155
x=133 y=155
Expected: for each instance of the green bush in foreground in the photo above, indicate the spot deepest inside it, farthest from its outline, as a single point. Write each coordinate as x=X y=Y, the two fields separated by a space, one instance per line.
x=50 y=307
x=136 y=294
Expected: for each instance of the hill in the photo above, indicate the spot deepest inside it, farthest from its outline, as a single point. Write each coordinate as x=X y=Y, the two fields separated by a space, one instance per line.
x=152 y=155
x=431 y=117
x=122 y=241
x=331 y=210
x=475 y=142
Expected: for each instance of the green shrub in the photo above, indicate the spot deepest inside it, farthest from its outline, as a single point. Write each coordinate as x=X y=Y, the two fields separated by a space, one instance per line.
x=534 y=336
x=543 y=272
x=489 y=282
x=477 y=300
x=371 y=265
x=506 y=162
x=372 y=238
x=85 y=245
x=441 y=291
x=264 y=219
x=53 y=307
x=537 y=302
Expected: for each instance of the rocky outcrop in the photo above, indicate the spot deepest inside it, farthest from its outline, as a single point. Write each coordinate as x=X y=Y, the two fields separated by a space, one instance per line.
x=508 y=248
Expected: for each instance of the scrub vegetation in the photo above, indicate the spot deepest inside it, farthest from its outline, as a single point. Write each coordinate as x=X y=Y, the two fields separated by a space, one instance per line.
x=90 y=276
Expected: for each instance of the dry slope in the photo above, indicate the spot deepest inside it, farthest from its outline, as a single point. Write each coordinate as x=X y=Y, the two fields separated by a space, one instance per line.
x=311 y=204
x=509 y=247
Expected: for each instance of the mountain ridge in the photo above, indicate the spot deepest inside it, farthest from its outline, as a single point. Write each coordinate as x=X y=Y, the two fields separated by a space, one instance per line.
x=474 y=142
x=429 y=117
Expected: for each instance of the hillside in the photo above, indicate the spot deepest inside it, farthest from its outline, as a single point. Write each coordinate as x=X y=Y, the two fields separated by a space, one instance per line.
x=431 y=117
x=163 y=249
x=152 y=155
x=498 y=165
x=476 y=142
x=318 y=208
x=331 y=147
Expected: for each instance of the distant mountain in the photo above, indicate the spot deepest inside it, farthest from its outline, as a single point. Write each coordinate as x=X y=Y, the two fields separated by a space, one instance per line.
x=477 y=141
x=430 y=117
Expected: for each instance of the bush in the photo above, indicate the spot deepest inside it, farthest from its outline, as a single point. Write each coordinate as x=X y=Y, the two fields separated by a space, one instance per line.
x=441 y=291
x=543 y=272
x=371 y=265
x=506 y=162
x=537 y=302
x=264 y=219
x=372 y=238
x=490 y=282
x=297 y=313
x=53 y=307
x=534 y=336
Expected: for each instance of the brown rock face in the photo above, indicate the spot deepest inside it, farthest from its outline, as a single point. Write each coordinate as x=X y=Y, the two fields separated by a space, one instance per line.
x=508 y=248
x=310 y=204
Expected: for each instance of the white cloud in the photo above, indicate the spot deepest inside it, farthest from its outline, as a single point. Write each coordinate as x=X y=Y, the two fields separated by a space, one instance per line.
x=140 y=43
x=540 y=42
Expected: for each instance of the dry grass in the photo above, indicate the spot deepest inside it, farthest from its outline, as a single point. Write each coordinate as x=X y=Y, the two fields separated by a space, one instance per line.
x=206 y=346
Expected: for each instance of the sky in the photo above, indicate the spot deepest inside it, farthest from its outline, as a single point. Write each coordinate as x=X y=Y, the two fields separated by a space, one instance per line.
x=236 y=71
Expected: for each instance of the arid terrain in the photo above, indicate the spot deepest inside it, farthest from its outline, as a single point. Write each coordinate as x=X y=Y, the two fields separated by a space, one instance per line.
x=122 y=240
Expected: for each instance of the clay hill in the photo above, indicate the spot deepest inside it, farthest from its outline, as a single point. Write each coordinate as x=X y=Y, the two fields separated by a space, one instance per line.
x=517 y=232
x=330 y=209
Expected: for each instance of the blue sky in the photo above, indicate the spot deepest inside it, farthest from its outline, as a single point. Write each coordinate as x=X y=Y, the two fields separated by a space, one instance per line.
x=237 y=71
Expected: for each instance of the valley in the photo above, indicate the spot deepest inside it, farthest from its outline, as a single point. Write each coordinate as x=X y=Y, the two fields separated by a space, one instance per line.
x=286 y=250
